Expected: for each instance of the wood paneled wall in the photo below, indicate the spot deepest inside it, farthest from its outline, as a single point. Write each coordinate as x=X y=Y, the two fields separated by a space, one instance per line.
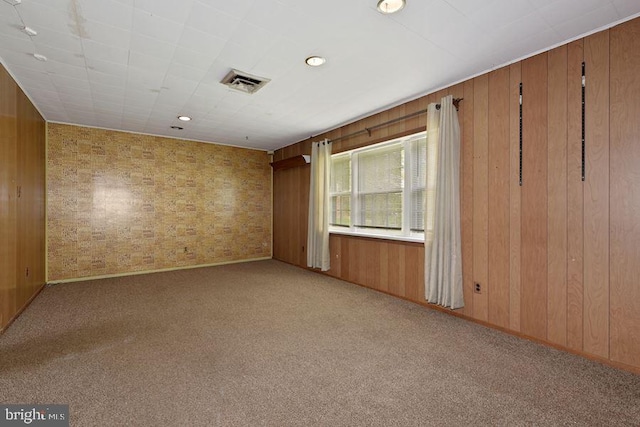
x=556 y=257
x=22 y=200
x=624 y=180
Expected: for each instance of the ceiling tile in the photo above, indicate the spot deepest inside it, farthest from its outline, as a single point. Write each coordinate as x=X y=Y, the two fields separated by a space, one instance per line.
x=598 y=18
x=106 y=67
x=62 y=69
x=103 y=52
x=557 y=13
x=627 y=7
x=177 y=11
x=201 y=42
x=146 y=24
x=116 y=81
x=107 y=34
x=114 y=13
x=57 y=40
x=186 y=72
x=212 y=21
x=497 y=13
x=151 y=46
x=236 y=8
x=143 y=62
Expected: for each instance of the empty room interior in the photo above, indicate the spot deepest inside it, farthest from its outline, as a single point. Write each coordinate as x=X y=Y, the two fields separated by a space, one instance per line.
x=278 y=212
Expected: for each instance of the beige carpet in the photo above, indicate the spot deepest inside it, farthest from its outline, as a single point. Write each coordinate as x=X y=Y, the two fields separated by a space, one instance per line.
x=265 y=343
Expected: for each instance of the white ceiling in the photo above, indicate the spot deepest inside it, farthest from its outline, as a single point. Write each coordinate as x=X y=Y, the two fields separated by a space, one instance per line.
x=137 y=64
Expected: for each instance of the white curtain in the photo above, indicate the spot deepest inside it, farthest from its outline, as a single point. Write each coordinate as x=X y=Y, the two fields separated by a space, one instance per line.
x=443 y=253
x=318 y=229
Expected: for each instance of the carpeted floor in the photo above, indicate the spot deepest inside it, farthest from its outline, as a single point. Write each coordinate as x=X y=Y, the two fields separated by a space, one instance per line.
x=265 y=343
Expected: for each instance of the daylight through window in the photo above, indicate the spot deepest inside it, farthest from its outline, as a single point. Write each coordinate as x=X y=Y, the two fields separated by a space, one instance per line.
x=379 y=190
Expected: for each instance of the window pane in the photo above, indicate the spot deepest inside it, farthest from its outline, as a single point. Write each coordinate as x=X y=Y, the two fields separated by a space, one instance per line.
x=340 y=174
x=418 y=181
x=417 y=210
x=341 y=210
x=381 y=169
x=418 y=162
x=380 y=189
x=381 y=210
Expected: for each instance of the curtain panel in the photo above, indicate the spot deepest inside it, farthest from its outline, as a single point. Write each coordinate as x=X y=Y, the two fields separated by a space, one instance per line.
x=318 y=226
x=443 y=247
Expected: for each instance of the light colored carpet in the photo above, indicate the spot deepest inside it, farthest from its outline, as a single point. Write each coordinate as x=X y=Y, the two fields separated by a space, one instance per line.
x=265 y=343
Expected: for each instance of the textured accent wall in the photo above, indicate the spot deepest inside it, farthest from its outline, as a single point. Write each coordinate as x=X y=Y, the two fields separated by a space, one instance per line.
x=121 y=202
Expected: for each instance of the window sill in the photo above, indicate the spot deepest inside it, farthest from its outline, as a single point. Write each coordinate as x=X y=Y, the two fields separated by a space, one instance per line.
x=378 y=236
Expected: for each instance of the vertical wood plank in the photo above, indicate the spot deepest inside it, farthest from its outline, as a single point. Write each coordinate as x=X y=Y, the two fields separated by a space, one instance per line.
x=26 y=202
x=335 y=249
x=498 y=284
x=345 y=261
x=466 y=208
x=575 y=196
x=8 y=220
x=420 y=273
x=402 y=270
x=372 y=272
x=412 y=273
x=384 y=266
x=515 y=77
x=557 y=193
x=625 y=193
x=534 y=197
x=393 y=251
x=354 y=260
x=480 y=194
x=596 y=197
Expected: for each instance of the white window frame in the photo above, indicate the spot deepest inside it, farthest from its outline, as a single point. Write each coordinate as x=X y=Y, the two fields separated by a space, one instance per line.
x=405 y=233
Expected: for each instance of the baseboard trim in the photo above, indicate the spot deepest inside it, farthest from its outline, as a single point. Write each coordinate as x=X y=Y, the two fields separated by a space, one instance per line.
x=602 y=360
x=160 y=270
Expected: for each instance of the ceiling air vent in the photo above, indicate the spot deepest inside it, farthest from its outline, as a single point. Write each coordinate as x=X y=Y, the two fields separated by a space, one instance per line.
x=244 y=82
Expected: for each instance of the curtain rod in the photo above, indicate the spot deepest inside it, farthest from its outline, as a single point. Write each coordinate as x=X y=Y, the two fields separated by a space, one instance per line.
x=456 y=103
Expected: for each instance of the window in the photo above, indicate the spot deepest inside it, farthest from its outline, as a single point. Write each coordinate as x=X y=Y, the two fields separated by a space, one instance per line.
x=379 y=190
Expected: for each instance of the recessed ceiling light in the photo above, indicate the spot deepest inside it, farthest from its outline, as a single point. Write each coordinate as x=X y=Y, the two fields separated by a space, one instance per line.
x=39 y=57
x=390 y=6
x=177 y=127
x=29 y=31
x=315 y=61
x=184 y=118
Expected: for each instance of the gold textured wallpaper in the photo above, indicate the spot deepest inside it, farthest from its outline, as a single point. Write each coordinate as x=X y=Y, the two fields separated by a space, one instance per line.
x=119 y=202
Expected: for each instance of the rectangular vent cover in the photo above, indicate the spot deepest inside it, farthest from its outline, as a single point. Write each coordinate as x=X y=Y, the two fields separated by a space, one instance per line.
x=244 y=82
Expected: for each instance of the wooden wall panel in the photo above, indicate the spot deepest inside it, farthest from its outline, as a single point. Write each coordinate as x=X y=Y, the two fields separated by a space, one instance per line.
x=291 y=188
x=480 y=195
x=413 y=279
x=555 y=230
x=575 y=197
x=22 y=219
x=466 y=207
x=596 y=196
x=534 y=197
x=557 y=195
x=625 y=193
x=8 y=220
x=37 y=216
x=515 y=77
x=335 y=249
x=499 y=171
x=23 y=206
